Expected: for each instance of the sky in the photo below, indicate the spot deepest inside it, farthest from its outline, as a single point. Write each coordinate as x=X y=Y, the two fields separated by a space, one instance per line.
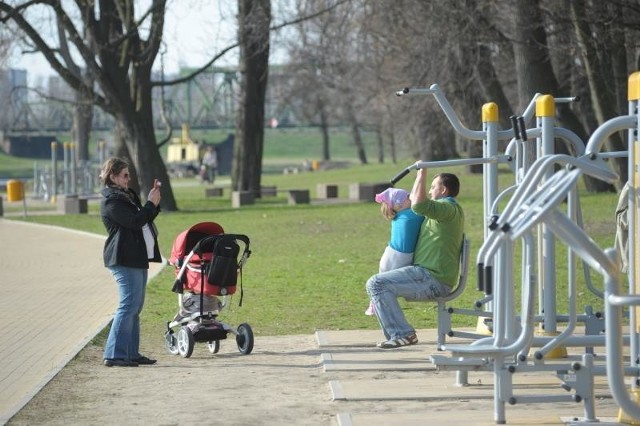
x=194 y=32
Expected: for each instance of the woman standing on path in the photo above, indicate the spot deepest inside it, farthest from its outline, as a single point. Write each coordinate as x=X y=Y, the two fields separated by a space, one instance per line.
x=130 y=245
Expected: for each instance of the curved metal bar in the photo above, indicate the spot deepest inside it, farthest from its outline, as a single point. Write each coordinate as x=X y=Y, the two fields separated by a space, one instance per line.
x=504 y=193
x=492 y=346
x=534 y=176
x=537 y=204
x=531 y=108
x=572 y=138
x=631 y=300
x=571 y=290
x=498 y=159
x=614 y=154
x=538 y=171
x=607 y=128
x=462 y=162
x=528 y=260
x=549 y=195
x=451 y=114
x=615 y=360
x=565 y=229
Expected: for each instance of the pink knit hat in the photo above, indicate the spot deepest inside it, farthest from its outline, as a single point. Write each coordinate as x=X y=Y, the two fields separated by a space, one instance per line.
x=392 y=197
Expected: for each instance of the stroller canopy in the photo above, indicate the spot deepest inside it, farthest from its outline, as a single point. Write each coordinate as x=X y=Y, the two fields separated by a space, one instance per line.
x=186 y=240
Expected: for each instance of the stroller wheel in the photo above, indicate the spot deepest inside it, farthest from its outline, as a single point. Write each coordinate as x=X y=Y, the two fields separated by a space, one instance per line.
x=214 y=346
x=244 y=339
x=185 y=341
x=172 y=343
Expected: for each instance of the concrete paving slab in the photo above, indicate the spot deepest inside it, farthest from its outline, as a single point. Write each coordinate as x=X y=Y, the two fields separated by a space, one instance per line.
x=442 y=386
x=519 y=417
x=369 y=338
x=362 y=375
x=57 y=297
x=435 y=387
x=374 y=361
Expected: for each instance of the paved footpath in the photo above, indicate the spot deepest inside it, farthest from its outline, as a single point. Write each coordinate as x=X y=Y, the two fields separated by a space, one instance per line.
x=56 y=296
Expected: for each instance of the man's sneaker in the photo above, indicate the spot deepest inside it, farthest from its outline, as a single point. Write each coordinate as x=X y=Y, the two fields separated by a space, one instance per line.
x=396 y=343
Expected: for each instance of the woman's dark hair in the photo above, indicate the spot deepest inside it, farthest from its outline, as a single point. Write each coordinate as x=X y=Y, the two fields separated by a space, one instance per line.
x=113 y=166
x=451 y=182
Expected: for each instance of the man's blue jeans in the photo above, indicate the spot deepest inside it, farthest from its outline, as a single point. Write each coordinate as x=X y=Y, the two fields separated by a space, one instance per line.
x=124 y=338
x=411 y=282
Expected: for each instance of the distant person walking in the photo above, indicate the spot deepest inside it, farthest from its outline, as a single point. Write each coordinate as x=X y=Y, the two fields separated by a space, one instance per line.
x=130 y=246
x=210 y=164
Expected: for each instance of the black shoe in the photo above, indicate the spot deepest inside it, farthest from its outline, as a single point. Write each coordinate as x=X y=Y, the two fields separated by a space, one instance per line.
x=143 y=360
x=120 y=363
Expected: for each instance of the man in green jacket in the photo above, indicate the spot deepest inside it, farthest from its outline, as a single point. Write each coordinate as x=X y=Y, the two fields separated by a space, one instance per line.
x=435 y=261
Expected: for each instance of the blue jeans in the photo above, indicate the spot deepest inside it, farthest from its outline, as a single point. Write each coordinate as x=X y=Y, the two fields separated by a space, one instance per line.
x=124 y=337
x=412 y=283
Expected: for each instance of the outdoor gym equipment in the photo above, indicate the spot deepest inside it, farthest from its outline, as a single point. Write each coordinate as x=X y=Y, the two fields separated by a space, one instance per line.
x=535 y=203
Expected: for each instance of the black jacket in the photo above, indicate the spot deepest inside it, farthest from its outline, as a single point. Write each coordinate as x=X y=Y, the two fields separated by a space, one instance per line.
x=124 y=216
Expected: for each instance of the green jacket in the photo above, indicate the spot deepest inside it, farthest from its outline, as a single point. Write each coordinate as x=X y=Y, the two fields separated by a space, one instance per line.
x=440 y=240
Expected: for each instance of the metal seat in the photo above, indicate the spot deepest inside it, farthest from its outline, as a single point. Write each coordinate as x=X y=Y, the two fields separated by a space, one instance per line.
x=444 y=320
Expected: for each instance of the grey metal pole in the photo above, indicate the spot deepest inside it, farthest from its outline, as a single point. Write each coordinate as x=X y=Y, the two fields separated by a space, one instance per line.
x=65 y=167
x=54 y=171
x=73 y=166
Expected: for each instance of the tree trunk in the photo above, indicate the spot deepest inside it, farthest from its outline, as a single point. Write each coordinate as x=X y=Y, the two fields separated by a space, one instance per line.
x=490 y=85
x=137 y=132
x=535 y=73
x=355 y=134
x=600 y=65
x=324 y=128
x=81 y=129
x=392 y=144
x=254 y=18
x=119 y=60
x=380 y=139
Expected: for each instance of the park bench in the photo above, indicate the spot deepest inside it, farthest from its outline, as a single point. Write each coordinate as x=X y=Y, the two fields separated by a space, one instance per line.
x=367 y=191
x=324 y=191
x=72 y=204
x=213 y=192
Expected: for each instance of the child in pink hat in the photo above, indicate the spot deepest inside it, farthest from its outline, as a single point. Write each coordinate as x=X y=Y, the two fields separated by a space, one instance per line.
x=395 y=206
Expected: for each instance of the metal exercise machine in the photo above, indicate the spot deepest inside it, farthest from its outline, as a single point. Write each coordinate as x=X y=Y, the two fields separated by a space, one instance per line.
x=536 y=204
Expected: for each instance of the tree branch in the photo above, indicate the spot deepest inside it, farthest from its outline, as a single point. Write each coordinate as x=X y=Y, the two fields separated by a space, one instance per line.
x=224 y=51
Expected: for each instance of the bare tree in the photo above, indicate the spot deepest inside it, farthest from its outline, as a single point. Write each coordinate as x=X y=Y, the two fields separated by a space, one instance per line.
x=83 y=106
x=603 y=52
x=308 y=91
x=328 y=78
x=535 y=71
x=120 y=59
x=413 y=48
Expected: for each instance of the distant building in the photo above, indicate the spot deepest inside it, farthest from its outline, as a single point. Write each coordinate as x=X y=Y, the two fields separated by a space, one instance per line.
x=30 y=146
x=183 y=150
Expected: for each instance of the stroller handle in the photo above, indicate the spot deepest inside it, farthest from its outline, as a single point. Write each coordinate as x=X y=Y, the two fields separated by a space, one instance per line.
x=198 y=248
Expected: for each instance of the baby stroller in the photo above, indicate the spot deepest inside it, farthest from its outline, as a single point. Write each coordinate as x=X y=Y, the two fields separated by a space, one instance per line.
x=207 y=263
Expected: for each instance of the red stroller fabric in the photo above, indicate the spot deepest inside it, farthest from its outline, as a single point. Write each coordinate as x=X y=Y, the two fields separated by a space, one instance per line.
x=192 y=278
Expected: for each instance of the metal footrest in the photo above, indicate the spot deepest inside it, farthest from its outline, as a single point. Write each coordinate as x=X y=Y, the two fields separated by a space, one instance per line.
x=448 y=363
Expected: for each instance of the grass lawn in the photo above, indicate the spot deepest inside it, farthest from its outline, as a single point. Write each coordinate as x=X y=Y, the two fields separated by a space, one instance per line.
x=310 y=262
